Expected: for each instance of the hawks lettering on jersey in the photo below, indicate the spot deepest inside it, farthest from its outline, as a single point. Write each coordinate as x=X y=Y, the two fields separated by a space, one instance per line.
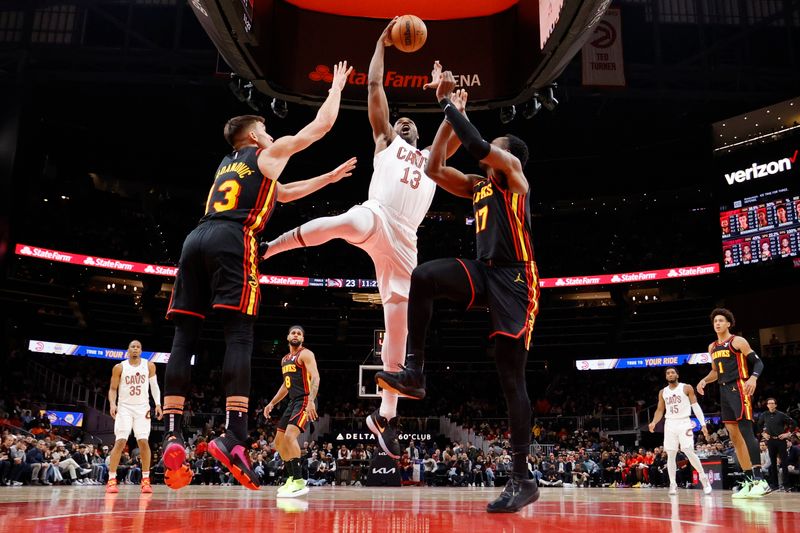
x=295 y=377
x=502 y=223
x=730 y=363
x=241 y=193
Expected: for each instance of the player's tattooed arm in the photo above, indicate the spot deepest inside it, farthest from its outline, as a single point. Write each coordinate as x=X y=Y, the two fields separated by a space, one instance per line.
x=308 y=360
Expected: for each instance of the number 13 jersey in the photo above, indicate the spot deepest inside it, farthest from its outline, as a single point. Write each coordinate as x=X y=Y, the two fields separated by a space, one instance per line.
x=399 y=182
x=241 y=193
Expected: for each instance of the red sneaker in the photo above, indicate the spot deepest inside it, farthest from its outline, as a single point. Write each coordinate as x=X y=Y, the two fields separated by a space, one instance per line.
x=112 y=488
x=146 y=488
x=232 y=453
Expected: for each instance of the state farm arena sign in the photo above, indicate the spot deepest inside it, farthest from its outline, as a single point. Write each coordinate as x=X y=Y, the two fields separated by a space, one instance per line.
x=27 y=250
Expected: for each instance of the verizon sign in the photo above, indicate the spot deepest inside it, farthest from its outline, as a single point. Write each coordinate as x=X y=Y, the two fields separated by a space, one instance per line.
x=761 y=170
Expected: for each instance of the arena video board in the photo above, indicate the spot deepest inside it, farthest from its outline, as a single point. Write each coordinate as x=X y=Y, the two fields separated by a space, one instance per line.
x=760 y=203
x=80 y=350
x=63 y=418
x=648 y=361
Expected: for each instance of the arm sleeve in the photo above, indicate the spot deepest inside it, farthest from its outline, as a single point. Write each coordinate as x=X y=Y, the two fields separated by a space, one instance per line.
x=758 y=364
x=154 y=390
x=698 y=412
x=468 y=134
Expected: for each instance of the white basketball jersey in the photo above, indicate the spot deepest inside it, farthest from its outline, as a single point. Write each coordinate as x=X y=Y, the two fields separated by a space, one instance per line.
x=399 y=181
x=134 y=384
x=676 y=402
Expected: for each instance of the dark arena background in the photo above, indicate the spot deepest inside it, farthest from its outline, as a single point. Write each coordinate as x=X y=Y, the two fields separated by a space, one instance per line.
x=664 y=182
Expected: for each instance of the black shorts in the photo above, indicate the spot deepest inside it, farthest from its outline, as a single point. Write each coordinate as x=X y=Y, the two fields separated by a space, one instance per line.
x=511 y=293
x=218 y=269
x=736 y=405
x=295 y=414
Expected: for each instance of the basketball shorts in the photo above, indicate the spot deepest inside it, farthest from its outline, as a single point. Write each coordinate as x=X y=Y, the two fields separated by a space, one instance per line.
x=511 y=292
x=678 y=434
x=134 y=418
x=218 y=269
x=736 y=405
x=295 y=414
x=392 y=246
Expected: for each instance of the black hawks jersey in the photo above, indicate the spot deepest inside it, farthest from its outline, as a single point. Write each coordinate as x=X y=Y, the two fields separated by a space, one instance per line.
x=730 y=363
x=502 y=223
x=295 y=377
x=241 y=193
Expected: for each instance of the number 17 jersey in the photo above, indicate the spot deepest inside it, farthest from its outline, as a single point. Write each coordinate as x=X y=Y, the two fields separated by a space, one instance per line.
x=399 y=182
x=502 y=223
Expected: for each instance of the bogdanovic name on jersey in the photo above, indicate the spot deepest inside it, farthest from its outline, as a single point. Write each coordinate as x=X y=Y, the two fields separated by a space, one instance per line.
x=759 y=170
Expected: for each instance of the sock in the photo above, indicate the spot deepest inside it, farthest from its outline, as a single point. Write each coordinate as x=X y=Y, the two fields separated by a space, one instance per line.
x=695 y=462
x=388 y=409
x=295 y=470
x=174 y=419
x=112 y=475
x=288 y=241
x=750 y=475
x=520 y=465
x=756 y=473
x=236 y=419
x=416 y=360
x=145 y=474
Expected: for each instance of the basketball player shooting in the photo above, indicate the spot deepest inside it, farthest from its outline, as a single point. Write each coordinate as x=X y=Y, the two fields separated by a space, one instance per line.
x=385 y=226
x=132 y=380
x=675 y=399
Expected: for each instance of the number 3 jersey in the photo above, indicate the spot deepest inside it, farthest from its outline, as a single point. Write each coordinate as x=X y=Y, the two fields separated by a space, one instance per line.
x=241 y=193
x=399 y=182
x=502 y=223
x=134 y=384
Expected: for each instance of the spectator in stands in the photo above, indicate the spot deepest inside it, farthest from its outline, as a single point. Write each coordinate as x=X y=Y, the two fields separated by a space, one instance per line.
x=260 y=467
x=84 y=460
x=793 y=464
x=428 y=467
x=20 y=470
x=5 y=459
x=580 y=476
x=66 y=465
x=413 y=451
x=766 y=463
x=209 y=470
x=39 y=466
x=343 y=454
x=99 y=466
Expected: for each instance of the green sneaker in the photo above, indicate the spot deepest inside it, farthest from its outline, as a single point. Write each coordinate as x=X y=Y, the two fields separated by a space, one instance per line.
x=286 y=487
x=744 y=491
x=297 y=488
x=759 y=488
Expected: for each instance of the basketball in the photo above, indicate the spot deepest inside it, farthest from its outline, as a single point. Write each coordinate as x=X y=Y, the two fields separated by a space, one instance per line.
x=409 y=33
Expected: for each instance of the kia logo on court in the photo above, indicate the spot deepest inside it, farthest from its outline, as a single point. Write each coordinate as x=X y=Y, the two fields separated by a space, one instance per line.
x=606 y=35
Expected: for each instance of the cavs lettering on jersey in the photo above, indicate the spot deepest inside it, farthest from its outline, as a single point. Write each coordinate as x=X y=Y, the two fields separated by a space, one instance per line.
x=295 y=376
x=134 y=384
x=241 y=193
x=676 y=402
x=730 y=363
x=399 y=181
x=502 y=223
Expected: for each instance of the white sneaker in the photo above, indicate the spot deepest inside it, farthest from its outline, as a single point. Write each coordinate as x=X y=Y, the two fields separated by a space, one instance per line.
x=673 y=490
x=707 y=488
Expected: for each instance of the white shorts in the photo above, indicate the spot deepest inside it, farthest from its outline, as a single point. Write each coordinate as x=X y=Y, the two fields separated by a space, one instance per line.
x=678 y=433
x=134 y=418
x=392 y=246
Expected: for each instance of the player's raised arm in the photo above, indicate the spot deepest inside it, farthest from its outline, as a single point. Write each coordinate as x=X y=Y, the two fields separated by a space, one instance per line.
x=450 y=179
x=298 y=189
x=377 y=105
x=284 y=147
x=491 y=154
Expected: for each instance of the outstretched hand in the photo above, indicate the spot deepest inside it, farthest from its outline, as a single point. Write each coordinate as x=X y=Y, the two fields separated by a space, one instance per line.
x=447 y=83
x=436 y=76
x=386 y=36
x=340 y=74
x=459 y=99
x=344 y=170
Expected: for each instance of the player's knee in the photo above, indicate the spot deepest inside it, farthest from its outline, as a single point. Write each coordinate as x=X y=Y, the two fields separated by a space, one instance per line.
x=422 y=276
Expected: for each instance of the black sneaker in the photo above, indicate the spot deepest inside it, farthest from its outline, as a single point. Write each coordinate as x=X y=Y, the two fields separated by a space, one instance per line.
x=516 y=495
x=386 y=432
x=409 y=382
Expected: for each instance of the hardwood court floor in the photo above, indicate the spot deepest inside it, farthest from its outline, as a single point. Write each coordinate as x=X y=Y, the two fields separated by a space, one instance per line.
x=410 y=509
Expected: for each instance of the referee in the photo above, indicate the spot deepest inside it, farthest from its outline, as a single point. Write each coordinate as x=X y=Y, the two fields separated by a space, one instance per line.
x=775 y=427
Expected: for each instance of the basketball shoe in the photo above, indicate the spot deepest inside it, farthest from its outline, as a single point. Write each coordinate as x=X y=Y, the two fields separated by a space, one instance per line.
x=409 y=382
x=517 y=494
x=386 y=433
x=232 y=453
x=112 y=487
x=744 y=490
x=174 y=451
x=759 y=488
x=286 y=486
x=296 y=488
x=146 y=488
